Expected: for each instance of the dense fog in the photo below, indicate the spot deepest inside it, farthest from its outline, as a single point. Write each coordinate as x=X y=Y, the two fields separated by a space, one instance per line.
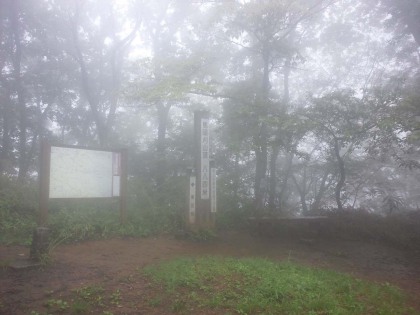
x=314 y=104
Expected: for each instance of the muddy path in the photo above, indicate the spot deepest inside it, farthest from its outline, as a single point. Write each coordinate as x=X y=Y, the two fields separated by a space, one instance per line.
x=117 y=264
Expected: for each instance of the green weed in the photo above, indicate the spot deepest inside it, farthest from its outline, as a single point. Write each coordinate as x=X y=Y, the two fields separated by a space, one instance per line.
x=257 y=286
x=91 y=294
x=115 y=297
x=178 y=305
x=202 y=235
x=4 y=264
x=80 y=307
x=155 y=301
x=149 y=211
x=58 y=305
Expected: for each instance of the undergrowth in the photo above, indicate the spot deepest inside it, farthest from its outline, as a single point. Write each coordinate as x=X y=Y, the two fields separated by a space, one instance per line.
x=400 y=229
x=152 y=210
x=258 y=286
x=148 y=212
x=18 y=205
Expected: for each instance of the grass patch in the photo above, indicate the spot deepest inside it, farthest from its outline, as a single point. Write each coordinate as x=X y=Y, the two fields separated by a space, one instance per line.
x=92 y=294
x=258 y=286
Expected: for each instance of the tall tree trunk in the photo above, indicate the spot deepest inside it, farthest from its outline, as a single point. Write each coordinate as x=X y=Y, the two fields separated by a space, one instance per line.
x=342 y=175
x=302 y=191
x=86 y=87
x=116 y=61
x=261 y=155
x=163 y=114
x=6 y=140
x=284 y=184
x=322 y=188
x=260 y=141
x=236 y=177
x=275 y=149
x=23 y=119
x=5 y=105
x=103 y=121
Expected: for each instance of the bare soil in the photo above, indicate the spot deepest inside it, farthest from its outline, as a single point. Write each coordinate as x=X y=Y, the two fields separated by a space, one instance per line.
x=116 y=264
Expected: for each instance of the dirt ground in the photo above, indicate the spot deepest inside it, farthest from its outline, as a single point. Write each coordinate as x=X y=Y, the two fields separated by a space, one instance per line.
x=116 y=264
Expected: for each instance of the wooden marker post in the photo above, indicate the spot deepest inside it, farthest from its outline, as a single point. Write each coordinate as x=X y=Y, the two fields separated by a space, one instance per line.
x=191 y=199
x=213 y=193
x=203 y=215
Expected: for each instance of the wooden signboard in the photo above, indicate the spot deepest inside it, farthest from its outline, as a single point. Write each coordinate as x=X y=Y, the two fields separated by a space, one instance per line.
x=74 y=172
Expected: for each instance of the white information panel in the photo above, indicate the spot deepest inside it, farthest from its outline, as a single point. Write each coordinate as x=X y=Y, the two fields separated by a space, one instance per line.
x=81 y=173
x=205 y=159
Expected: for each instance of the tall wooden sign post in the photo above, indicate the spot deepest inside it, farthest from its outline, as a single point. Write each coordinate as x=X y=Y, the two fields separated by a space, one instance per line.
x=202 y=181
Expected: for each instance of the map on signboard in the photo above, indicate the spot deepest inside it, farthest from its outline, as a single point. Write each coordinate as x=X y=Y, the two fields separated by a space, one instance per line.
x=81 y=173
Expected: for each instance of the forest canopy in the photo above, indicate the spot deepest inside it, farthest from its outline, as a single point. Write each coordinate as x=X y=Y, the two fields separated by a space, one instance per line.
x=315 y=104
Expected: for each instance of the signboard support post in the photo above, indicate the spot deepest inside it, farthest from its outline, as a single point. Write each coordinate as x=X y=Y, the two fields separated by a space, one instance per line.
x=123 y=187
x=44 y=180
x=40 y=237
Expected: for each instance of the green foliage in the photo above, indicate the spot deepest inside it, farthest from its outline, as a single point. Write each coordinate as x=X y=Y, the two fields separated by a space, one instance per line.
x=162 y=207
x=85 y=300
x=72 y=225
x=233 y=209
x=400 y=229
x=91 y=294
x=392 y=203
x=201 y=235
x=149 y=211
x=80 y=307
x=115 y=297
x=234 y=217
x=58 y=305
x=254 y=286
x=17 y=211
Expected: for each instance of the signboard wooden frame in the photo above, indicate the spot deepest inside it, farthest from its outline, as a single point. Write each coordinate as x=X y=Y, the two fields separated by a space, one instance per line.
x=117 y=173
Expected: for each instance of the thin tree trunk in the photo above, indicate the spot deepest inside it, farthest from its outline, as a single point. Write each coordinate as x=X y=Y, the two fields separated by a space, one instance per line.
x=17 y=59
x=322 y=188
x=273 y=177
x=261 y=156
x=236 y=177
x=5 y=106
x=284 y=185
x=163 y=113
x=275 y=149
x=302 y=191
x=342 y=175
x=260 y=141
x=88 y=91
x=6 y=143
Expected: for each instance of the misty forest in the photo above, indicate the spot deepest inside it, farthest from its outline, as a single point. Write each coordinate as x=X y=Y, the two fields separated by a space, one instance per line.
x=314 y=110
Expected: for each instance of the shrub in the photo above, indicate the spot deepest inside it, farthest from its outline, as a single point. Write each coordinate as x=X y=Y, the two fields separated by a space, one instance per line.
x=399 y=229
x=17 y=211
